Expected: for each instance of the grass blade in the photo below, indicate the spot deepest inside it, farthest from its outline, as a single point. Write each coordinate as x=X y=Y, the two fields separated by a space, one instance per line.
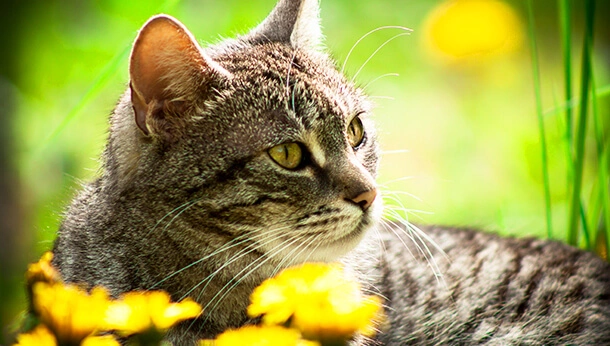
x=100 y=82
x=98 y=85
x=602 y=193
x=566 y=45
x=600 y=93
x=539 y=113
x=575 y=202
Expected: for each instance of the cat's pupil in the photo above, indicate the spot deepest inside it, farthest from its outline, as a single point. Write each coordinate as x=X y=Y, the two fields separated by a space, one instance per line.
x=287 y=155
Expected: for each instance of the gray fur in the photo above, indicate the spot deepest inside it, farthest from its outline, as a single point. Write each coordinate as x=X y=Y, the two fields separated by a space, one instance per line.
x=201 y=181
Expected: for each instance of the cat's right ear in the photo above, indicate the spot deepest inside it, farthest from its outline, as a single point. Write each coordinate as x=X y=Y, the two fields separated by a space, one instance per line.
x=293 y=22
x=167 y=69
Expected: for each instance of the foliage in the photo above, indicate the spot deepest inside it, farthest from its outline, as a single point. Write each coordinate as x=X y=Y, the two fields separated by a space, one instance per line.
x=588 y=223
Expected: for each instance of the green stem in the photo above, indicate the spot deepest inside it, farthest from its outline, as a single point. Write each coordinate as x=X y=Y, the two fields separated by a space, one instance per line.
x=566 y=45
x=539 y=112
x=585 y=226
x=603 y=183
x=575 y=204
x=600 y=93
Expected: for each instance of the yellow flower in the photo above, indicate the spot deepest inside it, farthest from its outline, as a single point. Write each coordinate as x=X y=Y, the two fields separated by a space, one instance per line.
x=105 y=340
x=259 y=336
x=463 y=28
x=39 y=336
x=137 y=312
x=42 y=270
x=322 y=302
x=68 y=311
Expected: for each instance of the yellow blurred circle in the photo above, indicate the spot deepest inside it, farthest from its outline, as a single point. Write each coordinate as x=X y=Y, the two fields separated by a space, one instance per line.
x=462 y=28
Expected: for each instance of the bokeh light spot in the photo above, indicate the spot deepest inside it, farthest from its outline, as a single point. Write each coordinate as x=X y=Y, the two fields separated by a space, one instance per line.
x=459 y=29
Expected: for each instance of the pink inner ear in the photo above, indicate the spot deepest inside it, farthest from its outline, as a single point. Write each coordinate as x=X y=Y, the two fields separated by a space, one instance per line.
x=164 y=61
x=163 y=51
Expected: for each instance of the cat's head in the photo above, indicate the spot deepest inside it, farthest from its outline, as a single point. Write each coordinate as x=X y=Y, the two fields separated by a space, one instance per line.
x=258 y=138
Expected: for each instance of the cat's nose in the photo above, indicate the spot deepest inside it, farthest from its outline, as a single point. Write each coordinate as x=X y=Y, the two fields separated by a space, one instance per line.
x=365 y=199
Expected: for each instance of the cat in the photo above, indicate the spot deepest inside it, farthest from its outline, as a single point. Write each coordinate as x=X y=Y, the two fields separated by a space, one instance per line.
x=227 y=163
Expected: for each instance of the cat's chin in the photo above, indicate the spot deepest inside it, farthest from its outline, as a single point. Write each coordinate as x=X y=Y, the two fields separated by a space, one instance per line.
x=333 y=251
x=337 y=248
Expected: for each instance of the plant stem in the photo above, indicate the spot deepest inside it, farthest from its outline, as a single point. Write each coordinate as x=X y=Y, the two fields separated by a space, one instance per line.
x=575 y=204
x=566 y=44
x=602 y=239
x=539 y=112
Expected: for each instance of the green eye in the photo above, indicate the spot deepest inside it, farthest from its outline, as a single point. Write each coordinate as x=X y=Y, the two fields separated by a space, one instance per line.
x=287 y=155
x=355 y=132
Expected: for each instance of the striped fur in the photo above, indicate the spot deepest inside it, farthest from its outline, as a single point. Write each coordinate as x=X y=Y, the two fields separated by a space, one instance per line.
x=189 y=201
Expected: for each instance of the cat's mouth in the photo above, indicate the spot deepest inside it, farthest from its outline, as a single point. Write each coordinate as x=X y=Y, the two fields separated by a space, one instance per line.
x=329 y=238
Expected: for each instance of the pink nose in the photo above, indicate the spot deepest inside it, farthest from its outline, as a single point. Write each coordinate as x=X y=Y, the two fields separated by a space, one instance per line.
x=365 y=199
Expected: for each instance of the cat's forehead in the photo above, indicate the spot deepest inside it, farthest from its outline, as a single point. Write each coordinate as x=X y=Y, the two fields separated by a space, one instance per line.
x=295 y=80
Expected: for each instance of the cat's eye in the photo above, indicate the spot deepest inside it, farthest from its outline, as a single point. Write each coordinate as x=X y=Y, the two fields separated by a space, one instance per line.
x=355 y=132
x=287 y=155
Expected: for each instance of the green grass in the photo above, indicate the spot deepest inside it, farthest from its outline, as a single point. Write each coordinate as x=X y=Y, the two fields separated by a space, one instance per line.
x=588 y=219
x=581 y=128
x=539 y=113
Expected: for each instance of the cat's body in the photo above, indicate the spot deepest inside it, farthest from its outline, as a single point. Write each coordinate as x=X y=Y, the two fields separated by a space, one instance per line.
x=194 y=199
x=492 y=291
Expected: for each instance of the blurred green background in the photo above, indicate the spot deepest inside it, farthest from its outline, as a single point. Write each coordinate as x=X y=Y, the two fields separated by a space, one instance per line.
x=457 y=124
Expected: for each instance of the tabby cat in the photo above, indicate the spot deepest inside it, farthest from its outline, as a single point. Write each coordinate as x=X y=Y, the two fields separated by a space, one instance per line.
x=227 y=163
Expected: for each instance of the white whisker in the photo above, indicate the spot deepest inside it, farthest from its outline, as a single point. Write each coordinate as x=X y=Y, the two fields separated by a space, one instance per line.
x=397 y=151
x=378 y=78
x=366 y=35
x=382 y=97
x=394 y=193
x=270 y=256
x=417 y=240
x=185 y=206
x=377 y=50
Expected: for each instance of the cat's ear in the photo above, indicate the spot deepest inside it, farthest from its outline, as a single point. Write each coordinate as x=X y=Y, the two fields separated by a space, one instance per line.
x=167 y=67
x=294 y=22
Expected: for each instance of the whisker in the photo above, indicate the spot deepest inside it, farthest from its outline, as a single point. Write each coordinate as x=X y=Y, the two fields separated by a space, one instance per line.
x=406 y=223
x=392 y=229
x=366 y=35
x=185 y=205
x=395 y=193
x=270 y=236
x=380 y=77
x=431 y=241
x=237 y=282
x=397 y=151
x=290 y=94
x=378 y=233
x=415 y=212
x=377 y=293
x=176 y=216
x=246 y=237
x=382 y=97
x=255 y=246
x=437 y=270
x=377 y=50
x=289 y=255
x=419 y=231
x=389 y=198
x=413 y=233
x=314 y=239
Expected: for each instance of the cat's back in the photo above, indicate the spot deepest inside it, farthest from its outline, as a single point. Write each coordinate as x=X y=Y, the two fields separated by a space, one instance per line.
x=489 y=290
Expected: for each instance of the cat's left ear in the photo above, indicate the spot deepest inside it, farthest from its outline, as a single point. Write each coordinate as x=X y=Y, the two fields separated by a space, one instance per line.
x=294 y=22
x=167 y=70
